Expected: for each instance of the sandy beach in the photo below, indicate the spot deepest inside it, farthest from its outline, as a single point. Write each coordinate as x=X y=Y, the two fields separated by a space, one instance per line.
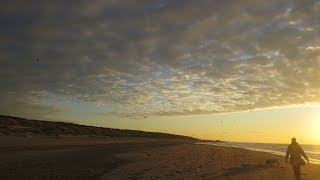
x=72 y=157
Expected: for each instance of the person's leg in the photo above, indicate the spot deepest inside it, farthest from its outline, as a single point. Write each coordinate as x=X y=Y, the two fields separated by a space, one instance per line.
x=296 y=170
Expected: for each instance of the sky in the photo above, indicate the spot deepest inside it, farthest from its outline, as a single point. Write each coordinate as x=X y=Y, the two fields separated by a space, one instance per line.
x=214 y=69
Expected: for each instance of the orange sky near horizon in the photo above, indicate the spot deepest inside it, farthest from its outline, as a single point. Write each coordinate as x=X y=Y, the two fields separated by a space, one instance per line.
x=272 y=125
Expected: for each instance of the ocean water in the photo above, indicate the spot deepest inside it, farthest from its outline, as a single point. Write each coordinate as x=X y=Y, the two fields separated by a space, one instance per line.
x=312 y=151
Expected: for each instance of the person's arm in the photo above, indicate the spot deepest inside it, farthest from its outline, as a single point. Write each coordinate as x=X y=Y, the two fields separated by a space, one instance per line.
x=304 y=155
x=287 y=155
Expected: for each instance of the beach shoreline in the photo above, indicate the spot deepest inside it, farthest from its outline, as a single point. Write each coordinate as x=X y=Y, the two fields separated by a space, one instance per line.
x=277 y=149
x=80 y=157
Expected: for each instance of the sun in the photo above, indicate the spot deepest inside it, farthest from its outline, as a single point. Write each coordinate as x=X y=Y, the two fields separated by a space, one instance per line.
x=315 y=128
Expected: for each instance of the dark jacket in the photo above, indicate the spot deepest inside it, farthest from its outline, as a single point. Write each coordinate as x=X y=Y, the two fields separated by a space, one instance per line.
x=295 y=151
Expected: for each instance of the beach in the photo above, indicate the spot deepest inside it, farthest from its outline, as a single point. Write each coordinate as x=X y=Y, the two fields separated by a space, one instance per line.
x=159 y=89
x=82 y=157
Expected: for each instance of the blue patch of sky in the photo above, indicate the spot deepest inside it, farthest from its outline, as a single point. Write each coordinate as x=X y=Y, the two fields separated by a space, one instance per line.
x=73 y=104
x=271 y=54
x=166 y=73
x=242 y=57
x=283 y=25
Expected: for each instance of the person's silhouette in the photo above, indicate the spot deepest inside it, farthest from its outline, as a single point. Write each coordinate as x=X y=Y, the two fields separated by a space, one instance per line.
x=295 y=151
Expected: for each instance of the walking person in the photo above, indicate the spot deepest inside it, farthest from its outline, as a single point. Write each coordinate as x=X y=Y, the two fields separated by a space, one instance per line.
x=295 y=151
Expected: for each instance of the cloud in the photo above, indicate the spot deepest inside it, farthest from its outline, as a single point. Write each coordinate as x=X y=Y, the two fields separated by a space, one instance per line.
x=31 y=105
x=162 y=57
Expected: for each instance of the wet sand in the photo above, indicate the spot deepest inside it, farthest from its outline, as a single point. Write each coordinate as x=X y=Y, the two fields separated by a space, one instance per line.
x=135 y=158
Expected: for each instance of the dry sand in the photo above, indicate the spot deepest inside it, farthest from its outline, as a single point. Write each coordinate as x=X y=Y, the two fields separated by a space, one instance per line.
x=135 y=158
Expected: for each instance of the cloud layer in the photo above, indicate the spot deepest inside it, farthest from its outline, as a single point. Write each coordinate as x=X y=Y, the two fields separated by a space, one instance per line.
x=164 y=57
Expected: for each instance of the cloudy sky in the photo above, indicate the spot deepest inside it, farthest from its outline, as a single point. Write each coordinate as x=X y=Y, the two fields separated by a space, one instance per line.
x=156 y=58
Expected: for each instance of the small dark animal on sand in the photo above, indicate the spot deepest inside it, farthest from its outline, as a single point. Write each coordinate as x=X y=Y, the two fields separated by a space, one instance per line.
x=273 y=162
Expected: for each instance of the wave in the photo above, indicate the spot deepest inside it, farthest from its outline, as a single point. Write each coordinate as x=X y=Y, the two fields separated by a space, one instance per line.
x=312 y=151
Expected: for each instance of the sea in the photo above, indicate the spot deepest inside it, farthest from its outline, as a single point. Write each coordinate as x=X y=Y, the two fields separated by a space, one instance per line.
x=312 y=151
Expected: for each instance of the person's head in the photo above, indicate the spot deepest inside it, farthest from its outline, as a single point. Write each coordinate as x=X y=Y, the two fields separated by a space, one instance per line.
x=293 y=140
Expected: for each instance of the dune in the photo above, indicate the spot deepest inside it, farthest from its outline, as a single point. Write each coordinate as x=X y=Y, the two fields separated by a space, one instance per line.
x=85 y=152
x=15 y=126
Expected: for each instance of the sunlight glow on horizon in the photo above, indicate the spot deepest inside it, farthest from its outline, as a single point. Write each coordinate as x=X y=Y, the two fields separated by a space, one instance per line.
x=272 y=125
x=315 y=127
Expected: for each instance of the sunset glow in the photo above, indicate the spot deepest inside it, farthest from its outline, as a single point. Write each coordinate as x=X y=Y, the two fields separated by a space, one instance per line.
x=315 y=128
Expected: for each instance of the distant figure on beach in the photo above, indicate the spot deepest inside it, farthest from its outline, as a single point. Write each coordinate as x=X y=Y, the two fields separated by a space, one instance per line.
x=295 y=151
